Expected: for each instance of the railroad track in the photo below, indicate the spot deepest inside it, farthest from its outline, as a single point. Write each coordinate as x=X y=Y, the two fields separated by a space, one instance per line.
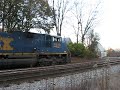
x=7 y=75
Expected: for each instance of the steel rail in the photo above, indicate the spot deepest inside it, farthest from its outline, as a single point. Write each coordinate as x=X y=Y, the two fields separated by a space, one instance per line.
x=6 y=75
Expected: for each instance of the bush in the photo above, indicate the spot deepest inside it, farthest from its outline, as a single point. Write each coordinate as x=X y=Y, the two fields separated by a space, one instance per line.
x=77 y=49
x=89 y=54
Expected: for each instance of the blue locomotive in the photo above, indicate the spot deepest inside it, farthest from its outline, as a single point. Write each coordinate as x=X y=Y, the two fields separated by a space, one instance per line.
x=29 y=49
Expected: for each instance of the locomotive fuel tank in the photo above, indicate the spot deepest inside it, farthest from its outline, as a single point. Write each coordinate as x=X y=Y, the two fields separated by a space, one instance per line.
x=17 y=63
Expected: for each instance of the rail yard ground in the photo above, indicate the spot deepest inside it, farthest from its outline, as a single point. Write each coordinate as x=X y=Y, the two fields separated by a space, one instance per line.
x=82 y=60
x=8 y=75
x=104 y=78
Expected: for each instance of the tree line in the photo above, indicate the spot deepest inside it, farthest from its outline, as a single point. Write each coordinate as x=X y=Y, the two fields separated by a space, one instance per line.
x=25 y=14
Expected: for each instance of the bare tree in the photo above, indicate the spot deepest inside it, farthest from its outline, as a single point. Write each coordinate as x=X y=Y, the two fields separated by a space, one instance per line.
x=86 y=18
x=60 y=9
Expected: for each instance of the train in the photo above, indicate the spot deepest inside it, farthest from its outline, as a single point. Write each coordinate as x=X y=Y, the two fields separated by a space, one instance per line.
x=19 y=49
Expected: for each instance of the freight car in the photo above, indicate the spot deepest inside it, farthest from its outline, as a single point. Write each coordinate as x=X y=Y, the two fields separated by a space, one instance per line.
x=31 y=49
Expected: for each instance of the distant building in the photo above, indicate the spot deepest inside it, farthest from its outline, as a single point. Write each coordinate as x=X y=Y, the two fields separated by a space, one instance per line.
x=66 y=40
x=101 y=51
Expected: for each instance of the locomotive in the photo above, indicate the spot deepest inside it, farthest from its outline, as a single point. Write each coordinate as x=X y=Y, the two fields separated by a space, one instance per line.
x=31 y=49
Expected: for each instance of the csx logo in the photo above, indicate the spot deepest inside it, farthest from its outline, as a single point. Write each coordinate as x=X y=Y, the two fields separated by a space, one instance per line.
x=5 y=43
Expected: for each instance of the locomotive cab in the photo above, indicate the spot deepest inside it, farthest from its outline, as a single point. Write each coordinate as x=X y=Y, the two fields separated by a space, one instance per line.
x=57 y=42
x=53 y=41
x=55 y=51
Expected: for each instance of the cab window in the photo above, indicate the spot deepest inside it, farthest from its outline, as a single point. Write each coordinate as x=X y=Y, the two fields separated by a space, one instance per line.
x=57 y=39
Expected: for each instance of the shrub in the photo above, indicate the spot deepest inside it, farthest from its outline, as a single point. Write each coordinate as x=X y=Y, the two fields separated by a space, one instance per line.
x=77 y=49
x=89 y=54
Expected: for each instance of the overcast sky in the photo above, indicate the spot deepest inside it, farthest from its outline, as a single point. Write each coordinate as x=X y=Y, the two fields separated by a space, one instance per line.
x=109 y=27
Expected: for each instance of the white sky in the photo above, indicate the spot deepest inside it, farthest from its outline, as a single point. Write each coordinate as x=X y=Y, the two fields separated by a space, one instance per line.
x=109 y=27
